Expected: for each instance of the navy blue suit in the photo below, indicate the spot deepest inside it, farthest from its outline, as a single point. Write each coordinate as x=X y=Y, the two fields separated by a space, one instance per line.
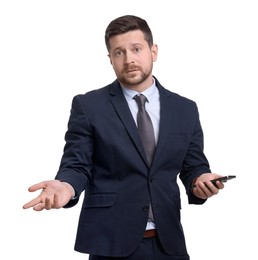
x=104 y=156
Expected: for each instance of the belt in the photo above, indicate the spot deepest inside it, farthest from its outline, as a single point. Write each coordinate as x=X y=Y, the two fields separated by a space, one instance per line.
x=150 y=233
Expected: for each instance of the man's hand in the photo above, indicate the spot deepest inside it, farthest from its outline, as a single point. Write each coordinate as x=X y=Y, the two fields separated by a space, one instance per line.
x=54 y=195
x=203 y=188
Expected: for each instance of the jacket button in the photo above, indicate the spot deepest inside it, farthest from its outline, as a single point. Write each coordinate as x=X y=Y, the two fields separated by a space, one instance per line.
x=145 y=208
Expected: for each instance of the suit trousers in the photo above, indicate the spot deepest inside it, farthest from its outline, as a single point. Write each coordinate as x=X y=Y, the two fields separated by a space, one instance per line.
x=149 y=249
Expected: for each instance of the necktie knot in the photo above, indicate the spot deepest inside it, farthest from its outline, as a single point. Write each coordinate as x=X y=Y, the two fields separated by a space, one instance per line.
x=140 y=100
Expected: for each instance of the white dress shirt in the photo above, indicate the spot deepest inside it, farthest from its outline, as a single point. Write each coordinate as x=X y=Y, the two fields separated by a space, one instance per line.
x=152 y=107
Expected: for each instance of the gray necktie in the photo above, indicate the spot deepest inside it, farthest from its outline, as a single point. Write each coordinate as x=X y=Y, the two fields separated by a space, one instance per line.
x=145 y=128
x=146 y=132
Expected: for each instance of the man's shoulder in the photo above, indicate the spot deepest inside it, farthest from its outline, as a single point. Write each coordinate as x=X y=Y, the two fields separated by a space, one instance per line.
x=173 y=96
x=101 y=92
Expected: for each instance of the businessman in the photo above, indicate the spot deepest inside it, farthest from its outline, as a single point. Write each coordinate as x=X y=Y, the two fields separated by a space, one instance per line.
x=126 y=144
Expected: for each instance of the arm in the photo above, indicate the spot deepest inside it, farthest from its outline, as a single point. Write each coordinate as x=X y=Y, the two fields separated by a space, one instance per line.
x=75 y=165
x=196 y=170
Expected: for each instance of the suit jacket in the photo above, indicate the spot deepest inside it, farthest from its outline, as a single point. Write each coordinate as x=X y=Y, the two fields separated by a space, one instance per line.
x=104 y=157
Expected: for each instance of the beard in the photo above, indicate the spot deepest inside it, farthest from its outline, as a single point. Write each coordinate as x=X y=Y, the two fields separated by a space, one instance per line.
x=133 y=76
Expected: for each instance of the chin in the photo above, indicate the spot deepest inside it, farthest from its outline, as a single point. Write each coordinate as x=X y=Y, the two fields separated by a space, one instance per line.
x=132 y=81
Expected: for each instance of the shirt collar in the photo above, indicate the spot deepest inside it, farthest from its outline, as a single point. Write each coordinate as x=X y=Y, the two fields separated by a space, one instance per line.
x=148 y=93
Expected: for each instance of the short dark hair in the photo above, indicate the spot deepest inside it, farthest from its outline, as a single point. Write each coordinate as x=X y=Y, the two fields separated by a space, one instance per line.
x=125 y=24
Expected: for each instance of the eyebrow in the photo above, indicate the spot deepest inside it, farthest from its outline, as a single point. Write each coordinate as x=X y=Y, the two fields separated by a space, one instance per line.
x=132 y=45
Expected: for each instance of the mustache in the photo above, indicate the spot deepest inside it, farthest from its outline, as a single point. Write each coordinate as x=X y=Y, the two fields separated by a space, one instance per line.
x=132 y=67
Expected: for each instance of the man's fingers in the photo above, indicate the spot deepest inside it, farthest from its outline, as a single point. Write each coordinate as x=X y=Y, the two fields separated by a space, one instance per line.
x=38 y=186
x=39 y=207
x=48 y=204
x=56 y=203
x=204 y=190
x=32 y=203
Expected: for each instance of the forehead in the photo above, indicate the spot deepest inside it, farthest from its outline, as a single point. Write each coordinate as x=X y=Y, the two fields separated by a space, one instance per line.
x=127 y=39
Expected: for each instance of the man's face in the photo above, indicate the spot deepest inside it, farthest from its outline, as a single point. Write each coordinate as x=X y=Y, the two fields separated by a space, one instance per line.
x=132 y=59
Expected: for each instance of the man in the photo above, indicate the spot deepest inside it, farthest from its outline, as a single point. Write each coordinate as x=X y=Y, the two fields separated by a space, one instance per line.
x=131 y=208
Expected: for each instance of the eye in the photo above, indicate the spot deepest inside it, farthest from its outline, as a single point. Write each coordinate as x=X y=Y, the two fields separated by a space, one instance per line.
x=137 y=49
x=118 y=53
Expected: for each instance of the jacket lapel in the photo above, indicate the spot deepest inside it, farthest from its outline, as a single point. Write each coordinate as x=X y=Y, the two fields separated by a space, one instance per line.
x=166 y=115
x=120 y=104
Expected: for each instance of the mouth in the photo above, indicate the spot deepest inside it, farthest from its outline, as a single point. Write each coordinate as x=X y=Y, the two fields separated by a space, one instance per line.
x=132 y=69
x=128 y=71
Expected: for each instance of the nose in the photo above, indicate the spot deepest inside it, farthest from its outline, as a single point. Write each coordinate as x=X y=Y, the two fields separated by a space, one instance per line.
x=129 y=57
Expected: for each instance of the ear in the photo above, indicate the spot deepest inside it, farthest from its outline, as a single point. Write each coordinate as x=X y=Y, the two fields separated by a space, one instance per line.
x=154 y=51
x=110 y=59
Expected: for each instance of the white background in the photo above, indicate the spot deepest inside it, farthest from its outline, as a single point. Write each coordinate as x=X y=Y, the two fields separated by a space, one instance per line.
x=53 y=50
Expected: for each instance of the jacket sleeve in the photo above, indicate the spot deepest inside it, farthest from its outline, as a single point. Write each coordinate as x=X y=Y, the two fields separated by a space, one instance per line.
x=76 y=162
x=195 y=162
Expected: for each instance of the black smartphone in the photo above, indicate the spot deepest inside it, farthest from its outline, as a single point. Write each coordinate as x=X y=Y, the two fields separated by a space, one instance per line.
x=223 y=179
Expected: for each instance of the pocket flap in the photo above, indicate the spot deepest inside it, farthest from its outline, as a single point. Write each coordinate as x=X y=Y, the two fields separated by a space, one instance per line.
x=100 y=200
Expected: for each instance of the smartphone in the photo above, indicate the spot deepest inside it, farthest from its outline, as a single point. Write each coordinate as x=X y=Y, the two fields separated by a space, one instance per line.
x=223 y=179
